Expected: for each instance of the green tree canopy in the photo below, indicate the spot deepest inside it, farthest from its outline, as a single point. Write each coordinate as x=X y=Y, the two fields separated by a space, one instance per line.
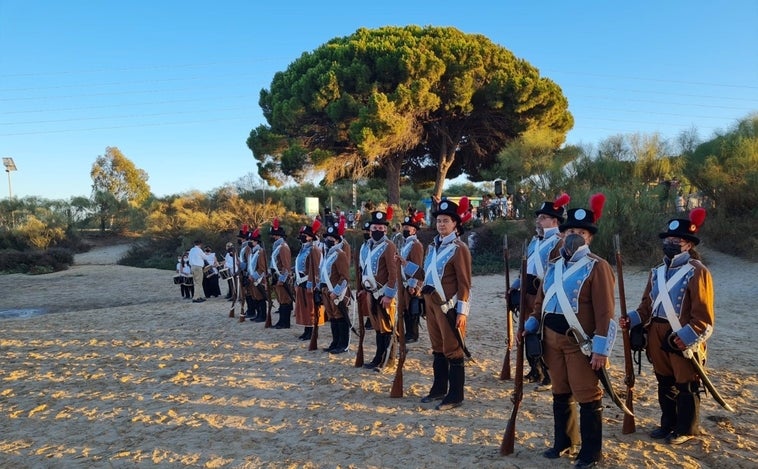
x=726 y=168
x=388 y=96
x=115 y=174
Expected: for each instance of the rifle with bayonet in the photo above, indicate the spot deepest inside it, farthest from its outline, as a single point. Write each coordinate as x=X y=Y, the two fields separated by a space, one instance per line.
x=359 y=298
x=397 y=384
x=235 y=283
x=628 y=426
x=269 y=291
x=509 y=437
x=505 y=371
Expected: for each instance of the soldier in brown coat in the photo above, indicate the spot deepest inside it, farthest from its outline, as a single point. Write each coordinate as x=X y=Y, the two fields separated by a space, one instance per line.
x=281 y=265
x=574 y=309
x=379 y=279
x=335 y=289
x=447 y=291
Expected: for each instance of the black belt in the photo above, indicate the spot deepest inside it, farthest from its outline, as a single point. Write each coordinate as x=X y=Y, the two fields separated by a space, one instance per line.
x=556 y=322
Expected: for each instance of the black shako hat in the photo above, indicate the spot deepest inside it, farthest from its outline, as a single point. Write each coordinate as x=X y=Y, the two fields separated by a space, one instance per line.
x=686 y=229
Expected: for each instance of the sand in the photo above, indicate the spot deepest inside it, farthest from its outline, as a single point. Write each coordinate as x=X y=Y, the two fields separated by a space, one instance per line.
x=121 y=372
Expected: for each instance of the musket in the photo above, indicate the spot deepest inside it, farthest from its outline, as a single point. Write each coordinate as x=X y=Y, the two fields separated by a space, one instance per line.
x=397 y=384
x=359 y=298
x=628 y=426
x=316 y=315
x=509 y=437
x=505 y=371
x=267 y=324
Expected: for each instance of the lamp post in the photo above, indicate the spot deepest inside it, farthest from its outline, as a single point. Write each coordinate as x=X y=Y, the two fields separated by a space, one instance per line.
x=9 y=166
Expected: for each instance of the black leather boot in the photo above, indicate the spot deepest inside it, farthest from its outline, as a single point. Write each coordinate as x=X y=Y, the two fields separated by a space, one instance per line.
x=441 y=368
x=261 y=308
x=667 y=397
x=335 y=335
x=591 y=429
x=307 y=333
x=687 y=413
x=382 y=344
x=343 y=332
x=285 y=315
x=250 y=311
x=565 y=427
x=457 y=379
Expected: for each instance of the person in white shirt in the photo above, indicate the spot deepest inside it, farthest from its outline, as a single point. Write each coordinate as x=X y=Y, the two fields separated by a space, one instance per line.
x=197 y=262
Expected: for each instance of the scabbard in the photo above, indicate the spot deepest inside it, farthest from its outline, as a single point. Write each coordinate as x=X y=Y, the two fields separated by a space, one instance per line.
x=602 y=375
x=708 y=384
x=451 y=320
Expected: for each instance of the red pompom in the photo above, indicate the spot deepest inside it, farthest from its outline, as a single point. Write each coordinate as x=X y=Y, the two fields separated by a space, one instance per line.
x=256 y=233
x=390 y=212
x=697 y=216
x=245 y=228
x=561 y=201
x=315 y=226
x=463 y=205
x=275 y=224
x=465 y=218
x=342 y=225
x=597 y=202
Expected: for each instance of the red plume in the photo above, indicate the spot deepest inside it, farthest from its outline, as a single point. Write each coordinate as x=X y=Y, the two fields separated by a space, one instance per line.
x=697 y=216
x=418 y=217
x=597 y=201
x=275 y=224
x=342 y=225
x=463 y=206
x=561 y=201
x=256 y=233
x=245 y=228
x=315 y=226
x=390 y=212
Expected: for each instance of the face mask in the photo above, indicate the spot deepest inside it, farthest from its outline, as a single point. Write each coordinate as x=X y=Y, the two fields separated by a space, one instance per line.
x=272 y=240
x=303 y=239
x=377 y=235
x=571 y=243
x=406 y=233
x=671 y=249
x=366 y=236
x=328 y=243
x=239 y=242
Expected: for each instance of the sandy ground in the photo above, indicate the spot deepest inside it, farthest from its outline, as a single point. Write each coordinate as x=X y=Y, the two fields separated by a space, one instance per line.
x=124 y=373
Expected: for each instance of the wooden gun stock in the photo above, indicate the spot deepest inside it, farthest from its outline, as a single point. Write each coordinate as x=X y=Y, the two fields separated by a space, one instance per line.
x=509 y=437
x=397 y=384
x=628 y=426
x=359 y=308
x=505 y=371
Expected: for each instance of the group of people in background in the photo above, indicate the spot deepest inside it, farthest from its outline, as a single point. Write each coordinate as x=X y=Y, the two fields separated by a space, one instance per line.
x=198 y=267
x=568 y=296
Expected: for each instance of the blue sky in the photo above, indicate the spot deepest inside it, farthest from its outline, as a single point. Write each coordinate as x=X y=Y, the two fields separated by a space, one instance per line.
x=175 y=85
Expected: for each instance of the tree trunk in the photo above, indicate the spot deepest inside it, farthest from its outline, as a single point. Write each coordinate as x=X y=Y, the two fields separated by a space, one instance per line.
x=392 y=167
x=445 y=158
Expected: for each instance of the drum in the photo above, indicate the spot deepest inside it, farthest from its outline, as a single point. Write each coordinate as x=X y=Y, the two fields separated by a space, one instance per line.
x=187 y=280
x=177 y=279
x=224 y=273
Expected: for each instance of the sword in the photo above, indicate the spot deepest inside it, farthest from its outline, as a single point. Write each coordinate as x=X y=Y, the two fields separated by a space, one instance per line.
x=688 y=354
x=602 y=374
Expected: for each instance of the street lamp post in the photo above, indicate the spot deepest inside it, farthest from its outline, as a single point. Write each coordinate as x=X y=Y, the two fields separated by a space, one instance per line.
x=9 y=166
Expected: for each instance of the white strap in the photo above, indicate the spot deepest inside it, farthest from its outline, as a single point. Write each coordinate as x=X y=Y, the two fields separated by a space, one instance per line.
x=557 y=289
x=663 y=298
x=536 y=259
x=435 y=274
x=367 y=270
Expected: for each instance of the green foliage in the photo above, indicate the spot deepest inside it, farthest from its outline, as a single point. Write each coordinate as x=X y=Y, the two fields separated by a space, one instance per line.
x=395 y=96
x=726 y=169
x=35 y=262
x=487 y=255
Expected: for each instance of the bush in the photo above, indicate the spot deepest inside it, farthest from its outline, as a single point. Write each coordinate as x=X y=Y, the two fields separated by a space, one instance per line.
x=35 y=262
